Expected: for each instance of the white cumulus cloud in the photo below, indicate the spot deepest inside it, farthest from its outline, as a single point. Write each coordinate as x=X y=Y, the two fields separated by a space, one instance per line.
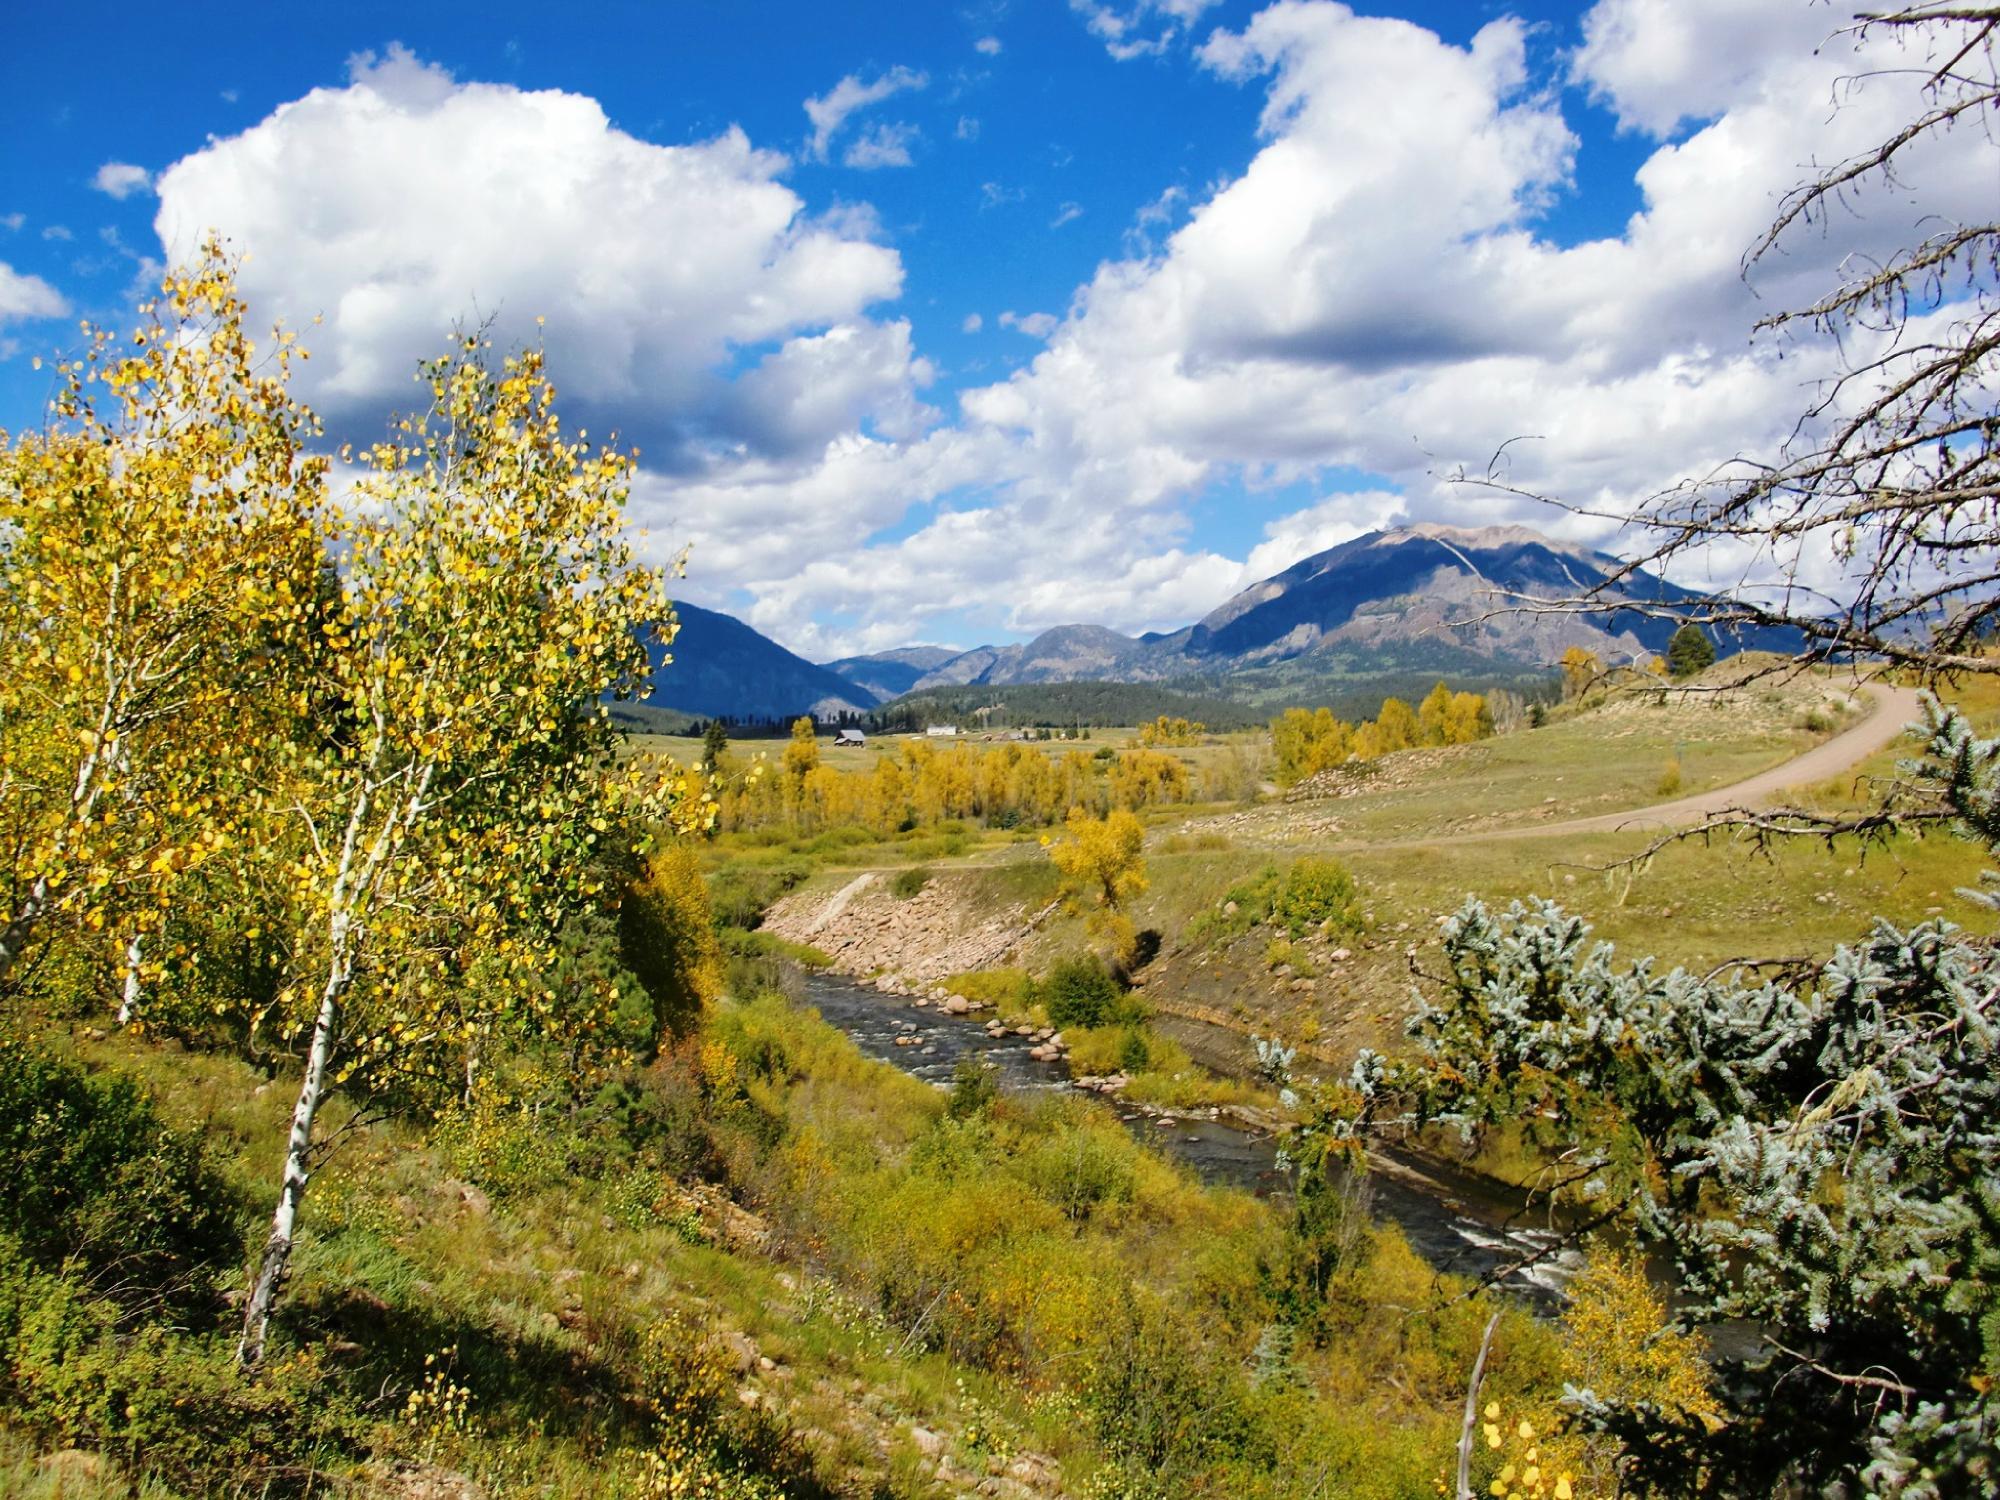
x=1375 y=292
x=1659 y=63
x=1036 y=325
x=23 y=296
x=407 y=200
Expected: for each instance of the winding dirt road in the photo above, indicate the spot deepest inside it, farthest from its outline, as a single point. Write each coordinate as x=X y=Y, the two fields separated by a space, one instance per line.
x=1893 y=710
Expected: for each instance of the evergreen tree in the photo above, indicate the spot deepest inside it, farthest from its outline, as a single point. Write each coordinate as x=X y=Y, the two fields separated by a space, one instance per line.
x=1689 y=652
x=714 y=740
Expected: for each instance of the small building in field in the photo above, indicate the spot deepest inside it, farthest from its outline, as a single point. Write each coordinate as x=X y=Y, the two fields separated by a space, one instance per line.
x=850 y=737
x=942 y=731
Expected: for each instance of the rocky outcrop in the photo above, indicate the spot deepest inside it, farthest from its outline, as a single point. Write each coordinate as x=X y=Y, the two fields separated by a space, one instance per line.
x=869 y=931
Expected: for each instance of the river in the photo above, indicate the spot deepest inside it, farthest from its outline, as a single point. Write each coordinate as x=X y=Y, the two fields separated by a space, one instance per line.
x=1456 y=1223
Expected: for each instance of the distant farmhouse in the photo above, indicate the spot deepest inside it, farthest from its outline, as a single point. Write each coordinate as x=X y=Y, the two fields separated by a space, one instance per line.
x=850 y=737
x=942 y=731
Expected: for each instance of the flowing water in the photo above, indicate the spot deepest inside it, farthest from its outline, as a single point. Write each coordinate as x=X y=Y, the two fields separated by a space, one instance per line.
x=1457 y=1223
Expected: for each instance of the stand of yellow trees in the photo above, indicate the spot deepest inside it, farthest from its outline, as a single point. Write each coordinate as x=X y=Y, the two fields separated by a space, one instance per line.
x=920 y=783
x=1307 y=741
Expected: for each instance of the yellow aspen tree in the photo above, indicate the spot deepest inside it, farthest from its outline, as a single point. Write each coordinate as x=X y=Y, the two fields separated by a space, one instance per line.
x=888 y=799
x=1431 y=716
x=666 y=937
x=162 y=545
x=1141 y=777
x=822 y=799
x=1580 y=669
x=1077 y=783
x=1395 y=727
x=1468 y=718
x=1305 y=742
x=490 y=602
x=1103 y=867
x=1164 y=731
x=995 y=768
x=957 y=770
x=801 y=758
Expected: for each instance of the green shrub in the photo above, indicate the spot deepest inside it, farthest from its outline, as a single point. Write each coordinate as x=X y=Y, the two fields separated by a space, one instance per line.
x=1011 y=991
x=1689 y=651
x=1080 y=991
x=908 y=882
x=1282 y=953
x=1318 y=893
x=957 y=1148
x=836 y=840
x=738 y=944
x=162 y=1402
x=740 y=894
x=1252 y=900
x=94 y=1178
x=938 y=841
x=505 y=1144
x=973 y=1089
x=1078 y=1168
x=645 y=1199
x=1165 y=1406
x=1133 y=1054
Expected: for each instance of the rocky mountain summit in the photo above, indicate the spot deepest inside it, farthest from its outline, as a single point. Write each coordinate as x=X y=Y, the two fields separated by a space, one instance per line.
x=1401 y=590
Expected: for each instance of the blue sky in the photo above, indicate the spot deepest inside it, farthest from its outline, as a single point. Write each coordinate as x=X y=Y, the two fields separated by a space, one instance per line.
x=955 y=322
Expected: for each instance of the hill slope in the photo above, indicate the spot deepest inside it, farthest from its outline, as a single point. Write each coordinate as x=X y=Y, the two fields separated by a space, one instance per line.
x=722 y=668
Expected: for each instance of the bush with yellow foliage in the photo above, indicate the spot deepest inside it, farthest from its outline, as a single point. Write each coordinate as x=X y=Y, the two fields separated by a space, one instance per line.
x=1102 y=869
x=1164 y=731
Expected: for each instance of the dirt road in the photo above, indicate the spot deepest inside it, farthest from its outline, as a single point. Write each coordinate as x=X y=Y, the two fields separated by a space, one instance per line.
x=1893 y=710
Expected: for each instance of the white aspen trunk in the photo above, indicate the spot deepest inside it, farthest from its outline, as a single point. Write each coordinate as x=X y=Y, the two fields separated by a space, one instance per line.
x=1463 y=1490
x=277 y=1254
x=353 y=887
x=128 y=1002
x=298 y=1167
x=14 y=937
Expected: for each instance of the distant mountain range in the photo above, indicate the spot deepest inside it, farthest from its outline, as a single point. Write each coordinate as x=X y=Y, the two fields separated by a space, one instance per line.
x=890 y=674
x=1388 y=603
x=722 y=668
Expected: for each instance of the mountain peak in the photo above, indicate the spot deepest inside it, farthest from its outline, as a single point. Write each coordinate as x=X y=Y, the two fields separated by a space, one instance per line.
x=1478 y=538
